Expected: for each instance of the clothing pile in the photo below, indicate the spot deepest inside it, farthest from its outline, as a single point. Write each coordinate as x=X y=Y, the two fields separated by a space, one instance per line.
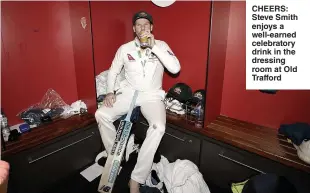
x=102 y=85
x=176 y=177
x=101 y=81
x=264 y=183
x=299 y=135
x=50 y=107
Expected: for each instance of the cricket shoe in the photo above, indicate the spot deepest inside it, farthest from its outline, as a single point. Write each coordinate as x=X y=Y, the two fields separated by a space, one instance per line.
x=154 y=181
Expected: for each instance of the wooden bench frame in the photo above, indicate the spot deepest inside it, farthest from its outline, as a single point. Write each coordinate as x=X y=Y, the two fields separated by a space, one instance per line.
x=251 y=137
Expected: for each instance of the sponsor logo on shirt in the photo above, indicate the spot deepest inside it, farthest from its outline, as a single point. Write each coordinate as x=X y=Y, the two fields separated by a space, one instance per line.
x=130 y=58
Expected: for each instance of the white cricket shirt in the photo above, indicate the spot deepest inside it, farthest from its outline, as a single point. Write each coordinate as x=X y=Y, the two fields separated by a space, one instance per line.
x=140 y=74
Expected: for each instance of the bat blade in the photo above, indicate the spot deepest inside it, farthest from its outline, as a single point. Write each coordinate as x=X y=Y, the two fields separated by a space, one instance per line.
x=114 y=159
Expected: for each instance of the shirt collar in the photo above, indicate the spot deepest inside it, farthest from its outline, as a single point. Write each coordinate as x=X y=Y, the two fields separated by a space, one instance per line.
x=137 y=42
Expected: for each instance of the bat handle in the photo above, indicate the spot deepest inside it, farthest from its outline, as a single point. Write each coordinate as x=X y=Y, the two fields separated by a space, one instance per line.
x=132 y=105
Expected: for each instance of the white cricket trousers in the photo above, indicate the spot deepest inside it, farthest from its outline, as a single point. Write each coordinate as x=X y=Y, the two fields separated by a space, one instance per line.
x=153 y=109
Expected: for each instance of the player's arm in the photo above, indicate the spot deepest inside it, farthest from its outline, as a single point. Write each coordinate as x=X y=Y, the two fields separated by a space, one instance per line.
x=115 y=69
x=167 y=58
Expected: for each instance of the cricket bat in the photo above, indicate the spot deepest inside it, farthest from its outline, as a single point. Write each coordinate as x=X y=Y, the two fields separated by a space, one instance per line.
x=113 y=163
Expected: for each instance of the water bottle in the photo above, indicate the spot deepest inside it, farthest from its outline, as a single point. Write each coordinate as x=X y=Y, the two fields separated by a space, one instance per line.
x=2 y=143
x=4 y=126
x=199 y=116
x=3 y=119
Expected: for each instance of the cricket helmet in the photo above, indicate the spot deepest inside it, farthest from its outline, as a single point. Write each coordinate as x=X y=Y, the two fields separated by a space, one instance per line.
x=181 y=92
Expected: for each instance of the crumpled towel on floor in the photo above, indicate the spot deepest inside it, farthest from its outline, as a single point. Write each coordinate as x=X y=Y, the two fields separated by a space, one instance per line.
x=179 y=176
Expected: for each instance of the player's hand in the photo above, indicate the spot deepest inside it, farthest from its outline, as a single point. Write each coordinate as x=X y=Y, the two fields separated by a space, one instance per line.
x=109 y=100
x=4 y=171
x=151 y=39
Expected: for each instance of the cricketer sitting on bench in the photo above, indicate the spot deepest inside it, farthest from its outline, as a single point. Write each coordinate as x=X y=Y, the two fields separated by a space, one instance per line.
x=144 y=67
